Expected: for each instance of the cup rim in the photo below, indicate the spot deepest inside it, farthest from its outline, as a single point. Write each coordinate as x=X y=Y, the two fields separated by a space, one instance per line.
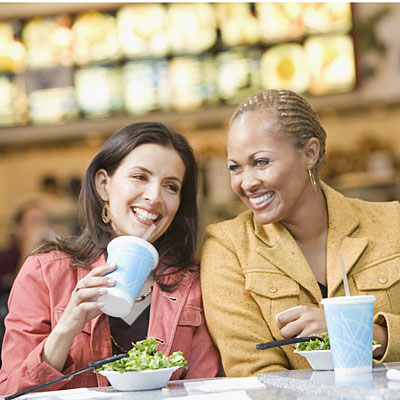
x=360 y=299
x=138 y=240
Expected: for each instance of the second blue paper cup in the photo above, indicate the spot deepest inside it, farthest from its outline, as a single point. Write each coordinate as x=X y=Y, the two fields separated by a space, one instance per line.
x=349 y=320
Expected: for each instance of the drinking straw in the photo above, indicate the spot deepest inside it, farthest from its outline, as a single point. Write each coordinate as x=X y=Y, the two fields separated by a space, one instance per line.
x=345 y=281
x=149 y=232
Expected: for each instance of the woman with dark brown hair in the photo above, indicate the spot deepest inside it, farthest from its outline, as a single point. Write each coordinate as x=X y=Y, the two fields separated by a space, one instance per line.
x=283 y=252
x=143 y=175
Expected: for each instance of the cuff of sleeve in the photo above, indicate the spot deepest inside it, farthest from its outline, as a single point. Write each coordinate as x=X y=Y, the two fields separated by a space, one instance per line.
x=41 y=372
x=390 y=321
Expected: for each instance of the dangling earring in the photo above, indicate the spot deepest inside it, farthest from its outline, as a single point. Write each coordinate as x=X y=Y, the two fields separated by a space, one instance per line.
x=312 y=179
x=105 y=213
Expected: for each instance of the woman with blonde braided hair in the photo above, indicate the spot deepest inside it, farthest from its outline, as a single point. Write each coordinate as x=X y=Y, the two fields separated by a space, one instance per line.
x=284 y=251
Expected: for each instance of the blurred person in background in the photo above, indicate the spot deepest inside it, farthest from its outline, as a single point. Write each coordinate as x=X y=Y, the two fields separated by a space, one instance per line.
x=284 y=251
x=31 y=227
x=60 y=206
x=144 y=175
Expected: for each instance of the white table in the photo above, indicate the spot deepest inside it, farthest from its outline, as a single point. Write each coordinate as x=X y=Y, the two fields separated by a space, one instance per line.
x=282 y=385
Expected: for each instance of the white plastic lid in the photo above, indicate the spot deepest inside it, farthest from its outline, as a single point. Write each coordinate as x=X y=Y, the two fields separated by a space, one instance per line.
x=344 y=300
x=126 y=240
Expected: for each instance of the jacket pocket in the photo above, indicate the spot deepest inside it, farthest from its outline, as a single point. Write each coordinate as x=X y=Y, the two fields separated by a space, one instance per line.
x=271 y=285
x=190 y=316
x=381 y=280
x=274 y=293
x=189 y=320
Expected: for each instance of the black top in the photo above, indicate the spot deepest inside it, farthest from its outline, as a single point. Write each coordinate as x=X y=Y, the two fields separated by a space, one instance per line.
x=125 y=334
x=324 y=290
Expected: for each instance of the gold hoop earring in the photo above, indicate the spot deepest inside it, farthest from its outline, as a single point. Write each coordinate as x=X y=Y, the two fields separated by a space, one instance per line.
x=312 y=179
x=105 y=213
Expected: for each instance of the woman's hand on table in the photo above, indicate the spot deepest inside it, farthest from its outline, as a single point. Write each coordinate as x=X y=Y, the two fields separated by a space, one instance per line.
x=303 y=321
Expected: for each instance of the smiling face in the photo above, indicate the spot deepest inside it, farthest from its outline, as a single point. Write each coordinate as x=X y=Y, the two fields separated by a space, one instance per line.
x=144 y=190
x=267 y=171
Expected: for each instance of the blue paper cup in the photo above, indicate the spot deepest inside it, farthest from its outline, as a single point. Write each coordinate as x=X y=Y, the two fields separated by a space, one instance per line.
x=135 y=258
x=349 y=321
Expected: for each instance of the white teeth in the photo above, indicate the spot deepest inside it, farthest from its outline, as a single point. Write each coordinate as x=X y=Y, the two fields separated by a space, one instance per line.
x=259 y=200
x=144 y=214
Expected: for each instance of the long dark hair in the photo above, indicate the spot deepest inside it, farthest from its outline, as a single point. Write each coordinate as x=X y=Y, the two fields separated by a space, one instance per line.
x=177 y=244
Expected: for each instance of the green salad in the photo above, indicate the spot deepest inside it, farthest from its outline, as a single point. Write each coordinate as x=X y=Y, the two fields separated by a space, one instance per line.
x=317 y=344
x=144 y=355
x=314 y=344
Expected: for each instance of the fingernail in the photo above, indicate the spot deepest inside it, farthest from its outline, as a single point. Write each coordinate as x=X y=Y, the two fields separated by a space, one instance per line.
x=100 y=305
x=111 y=281
x=102 y=291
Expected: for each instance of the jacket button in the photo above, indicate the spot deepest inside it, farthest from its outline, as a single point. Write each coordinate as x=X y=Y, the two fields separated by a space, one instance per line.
x=383 y=279
x=273 y=289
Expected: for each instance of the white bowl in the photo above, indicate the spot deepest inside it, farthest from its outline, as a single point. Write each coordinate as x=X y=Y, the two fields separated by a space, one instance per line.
x=139 y=380
x=321 y=360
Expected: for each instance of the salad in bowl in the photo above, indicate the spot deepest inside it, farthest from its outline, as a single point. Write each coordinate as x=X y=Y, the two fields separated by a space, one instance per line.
x=145 y=368
x=318 y=352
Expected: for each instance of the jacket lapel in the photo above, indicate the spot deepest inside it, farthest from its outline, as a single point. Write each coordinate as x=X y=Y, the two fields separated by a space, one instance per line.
x=282 y=251
x=343 y=224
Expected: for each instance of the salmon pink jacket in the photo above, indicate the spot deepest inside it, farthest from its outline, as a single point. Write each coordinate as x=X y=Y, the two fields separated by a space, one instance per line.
x=39 y=297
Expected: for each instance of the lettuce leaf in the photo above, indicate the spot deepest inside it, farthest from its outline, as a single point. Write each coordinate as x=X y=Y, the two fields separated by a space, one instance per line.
x=317 y=344
x=144 y=355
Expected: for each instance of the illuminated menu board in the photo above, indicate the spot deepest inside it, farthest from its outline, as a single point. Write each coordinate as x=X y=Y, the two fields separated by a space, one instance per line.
x=191 y=27
x=48 y=42
x=147 y=86
x=143 y=30
x=12 y=52
x=238 y=74
x=142 y=57
x=315 y=61
x=95 y=38
x=98 y=90
x=13 y=100
x=237 y=24
x=332 y=68
x=284 y=66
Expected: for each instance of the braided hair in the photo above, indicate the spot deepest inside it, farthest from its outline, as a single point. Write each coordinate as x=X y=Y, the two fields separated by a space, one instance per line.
x=298 y=121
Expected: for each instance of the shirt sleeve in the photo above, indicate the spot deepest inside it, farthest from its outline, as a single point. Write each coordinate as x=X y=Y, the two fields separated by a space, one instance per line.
x=234 y=319
x=391 y=322
x=28 y=324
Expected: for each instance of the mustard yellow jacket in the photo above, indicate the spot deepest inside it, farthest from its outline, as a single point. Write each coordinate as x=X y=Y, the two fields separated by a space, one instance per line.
x=251 y=272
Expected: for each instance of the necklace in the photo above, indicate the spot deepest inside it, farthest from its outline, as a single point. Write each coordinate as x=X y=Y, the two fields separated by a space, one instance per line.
x=117 y=345
x=143 y=296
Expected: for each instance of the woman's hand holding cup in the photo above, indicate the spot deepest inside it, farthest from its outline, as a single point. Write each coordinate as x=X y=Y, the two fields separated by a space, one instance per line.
x=83 y=305
x=82 y=308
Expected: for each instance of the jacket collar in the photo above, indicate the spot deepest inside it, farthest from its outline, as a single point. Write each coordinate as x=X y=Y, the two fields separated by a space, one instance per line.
x=282 y=251
x=342 y=237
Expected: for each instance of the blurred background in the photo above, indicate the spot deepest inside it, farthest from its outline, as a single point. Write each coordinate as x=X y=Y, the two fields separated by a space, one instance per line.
x=71 y=74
